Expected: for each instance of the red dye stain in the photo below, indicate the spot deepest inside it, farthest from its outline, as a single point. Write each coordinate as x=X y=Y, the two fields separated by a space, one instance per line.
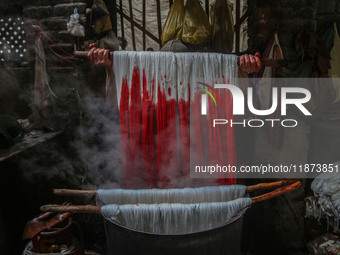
x=148 y=140
x=153 y=152
x=166 y=138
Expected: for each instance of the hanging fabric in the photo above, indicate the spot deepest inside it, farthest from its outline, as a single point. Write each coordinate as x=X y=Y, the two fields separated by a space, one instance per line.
x=162 y=130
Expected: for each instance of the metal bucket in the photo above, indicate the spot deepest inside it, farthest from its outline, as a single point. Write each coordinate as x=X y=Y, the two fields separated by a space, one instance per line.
x=225 y=239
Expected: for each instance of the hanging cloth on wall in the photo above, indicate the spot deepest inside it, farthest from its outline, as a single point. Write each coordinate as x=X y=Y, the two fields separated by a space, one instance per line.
x=162 y=130
x=42 y=92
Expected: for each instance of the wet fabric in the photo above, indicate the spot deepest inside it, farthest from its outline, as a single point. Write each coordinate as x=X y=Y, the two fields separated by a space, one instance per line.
x=159 y=99
x=186 y=195
x=175 y=218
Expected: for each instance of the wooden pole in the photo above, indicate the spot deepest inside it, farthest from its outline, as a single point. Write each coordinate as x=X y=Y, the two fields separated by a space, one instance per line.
x=96 y=209
x=71 y=208
x=276 y=193
x=73 y=192
x=260 y=186
x=271 y=185
x=276 y=63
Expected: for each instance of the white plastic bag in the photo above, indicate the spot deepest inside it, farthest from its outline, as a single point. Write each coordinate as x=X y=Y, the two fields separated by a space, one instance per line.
x=74 y=27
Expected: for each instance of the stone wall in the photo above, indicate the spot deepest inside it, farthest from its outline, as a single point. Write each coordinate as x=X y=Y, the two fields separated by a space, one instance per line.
x=18 y=79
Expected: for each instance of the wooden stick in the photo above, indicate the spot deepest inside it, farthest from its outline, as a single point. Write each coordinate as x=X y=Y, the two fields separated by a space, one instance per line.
x=276 y=63
x=71 y=208
x=271 y=185
x=96 y=209
x=276 y=193
x=74 y=192
x=90 y=193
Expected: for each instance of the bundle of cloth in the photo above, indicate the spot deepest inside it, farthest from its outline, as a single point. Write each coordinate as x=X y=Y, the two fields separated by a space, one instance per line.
x=326 y=189
x=173 y=211
x=163 y=133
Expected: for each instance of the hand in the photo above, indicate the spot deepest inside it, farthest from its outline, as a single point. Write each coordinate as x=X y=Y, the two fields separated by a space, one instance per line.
x=99 y=57
x=250 y=63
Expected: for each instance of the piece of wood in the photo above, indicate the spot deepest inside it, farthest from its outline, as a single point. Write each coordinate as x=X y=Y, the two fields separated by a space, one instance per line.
x=71 y=208
x=271 y=185
x=75 y=193
x=276 y=193
x=276 y=63
x=90 y=193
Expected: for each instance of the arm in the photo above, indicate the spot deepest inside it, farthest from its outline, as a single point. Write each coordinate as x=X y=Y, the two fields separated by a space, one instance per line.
x=100 y=57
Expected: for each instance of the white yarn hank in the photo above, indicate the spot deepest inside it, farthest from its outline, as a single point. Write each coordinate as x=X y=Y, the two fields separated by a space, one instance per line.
x=175 y=72
x=183 y=196
x=174 y=219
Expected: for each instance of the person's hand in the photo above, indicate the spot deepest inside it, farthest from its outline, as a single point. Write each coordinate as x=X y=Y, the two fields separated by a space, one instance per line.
x=99 y=57
x=250 y=63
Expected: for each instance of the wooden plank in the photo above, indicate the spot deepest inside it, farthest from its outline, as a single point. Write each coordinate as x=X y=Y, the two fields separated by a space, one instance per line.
x=144 y=24
x=159 y=21
x=132 y=26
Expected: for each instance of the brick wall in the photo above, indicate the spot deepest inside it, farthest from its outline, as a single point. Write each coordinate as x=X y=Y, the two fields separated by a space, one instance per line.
x=52 y=16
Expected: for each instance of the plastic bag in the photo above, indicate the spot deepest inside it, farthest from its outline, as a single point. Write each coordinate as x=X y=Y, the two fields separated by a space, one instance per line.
x=73 y=26
x=174 y=22
x=222 y=23
x=196 y=26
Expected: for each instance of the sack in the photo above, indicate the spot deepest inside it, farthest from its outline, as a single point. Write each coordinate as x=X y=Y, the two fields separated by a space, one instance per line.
x=173 y=25
x=196 y=26
x=222 y=24
x=74 y=27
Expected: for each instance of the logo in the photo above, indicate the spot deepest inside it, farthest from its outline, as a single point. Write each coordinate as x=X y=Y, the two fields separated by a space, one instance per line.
x=204 y=97
x=301 y=96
